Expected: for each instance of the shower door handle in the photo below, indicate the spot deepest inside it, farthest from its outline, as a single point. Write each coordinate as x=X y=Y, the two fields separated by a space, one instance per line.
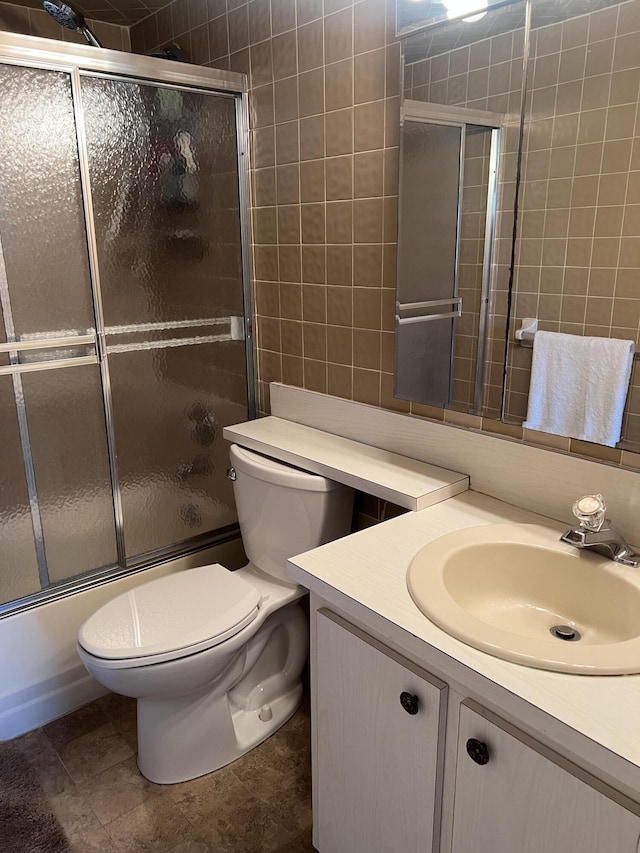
x=54 y=364
x=67 y=342
x=48 y=343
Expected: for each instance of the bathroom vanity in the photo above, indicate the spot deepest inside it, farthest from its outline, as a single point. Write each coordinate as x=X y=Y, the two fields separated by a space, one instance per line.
x=421 y=742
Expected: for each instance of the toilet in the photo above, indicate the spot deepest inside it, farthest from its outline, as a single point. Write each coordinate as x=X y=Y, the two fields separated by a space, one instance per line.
x=214 y=657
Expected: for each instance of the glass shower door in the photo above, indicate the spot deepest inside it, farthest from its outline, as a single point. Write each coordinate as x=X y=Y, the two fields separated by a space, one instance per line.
x=163 y=166
x=55 y=466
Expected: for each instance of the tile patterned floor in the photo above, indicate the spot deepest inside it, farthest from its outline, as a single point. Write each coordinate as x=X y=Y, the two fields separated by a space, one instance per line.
x=73 y=787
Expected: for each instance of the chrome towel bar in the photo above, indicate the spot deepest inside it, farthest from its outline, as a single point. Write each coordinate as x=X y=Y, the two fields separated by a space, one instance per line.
x=527 y=332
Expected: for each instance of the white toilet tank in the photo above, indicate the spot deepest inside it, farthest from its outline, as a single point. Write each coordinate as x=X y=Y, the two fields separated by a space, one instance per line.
x=284 y=511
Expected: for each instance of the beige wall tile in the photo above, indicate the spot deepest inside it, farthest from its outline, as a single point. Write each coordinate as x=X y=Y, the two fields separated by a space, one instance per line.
x=264 y=186
x=339 y=132
x=264 y=147
x=286 y=99
x=340 y=345
x=367 y=265
x=284 y=55
x=308 y=10
x=340 y=380
x=367 y=308
x=292 y=372
x=315 y=375
x=339 y=178
x=310 y=46
x=289 y=258
x=314 y=303
x=369 y=174
x=338 y=35
x=314 y=264
x=311 y=89
x=366 y=386
x=369 y=76
x=339 y=85
x=367 y=220
x=312 y=180
x=314 y=340
x=261 y=63
x=287 y=145
x=369 y=26
x=369 y=124
x=339 y=265
x=312 y=218
x=288 y=183
x=326 y=214
x=339 y=222
x=367 y=347
x=289 y=224
x=312 y=135
x=291 y=301
x=238 y=24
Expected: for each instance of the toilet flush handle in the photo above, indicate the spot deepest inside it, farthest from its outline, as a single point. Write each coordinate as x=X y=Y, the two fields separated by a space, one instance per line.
x=231 y=474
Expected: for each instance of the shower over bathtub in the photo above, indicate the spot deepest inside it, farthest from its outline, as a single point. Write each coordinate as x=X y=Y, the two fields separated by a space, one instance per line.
x=124 y=313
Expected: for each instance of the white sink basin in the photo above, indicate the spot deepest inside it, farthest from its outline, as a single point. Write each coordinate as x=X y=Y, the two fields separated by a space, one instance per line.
x=503 y=588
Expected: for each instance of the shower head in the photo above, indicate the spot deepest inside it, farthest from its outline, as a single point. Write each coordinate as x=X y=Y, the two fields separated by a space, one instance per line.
x=71 y=19
x=171 y=51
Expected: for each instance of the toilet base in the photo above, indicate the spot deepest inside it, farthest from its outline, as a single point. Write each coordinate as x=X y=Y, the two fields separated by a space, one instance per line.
x=252 y=692
x=181 y=758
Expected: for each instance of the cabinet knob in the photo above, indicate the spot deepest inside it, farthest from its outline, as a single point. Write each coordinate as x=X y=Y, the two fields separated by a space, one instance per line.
x=478 y=751
x=409 y=702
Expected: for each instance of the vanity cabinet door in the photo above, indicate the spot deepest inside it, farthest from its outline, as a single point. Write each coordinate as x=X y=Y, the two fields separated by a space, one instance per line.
x=377 y=723
x=515 y=796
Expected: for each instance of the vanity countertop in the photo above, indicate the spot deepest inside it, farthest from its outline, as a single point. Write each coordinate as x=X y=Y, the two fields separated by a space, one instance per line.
x=406 y=482
x=369 y=568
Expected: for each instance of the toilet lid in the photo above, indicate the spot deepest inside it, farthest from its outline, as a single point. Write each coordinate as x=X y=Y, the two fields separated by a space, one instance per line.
x=195 y=608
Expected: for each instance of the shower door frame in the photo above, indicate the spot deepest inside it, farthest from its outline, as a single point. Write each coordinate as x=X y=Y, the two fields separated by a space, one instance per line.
x=76 y=60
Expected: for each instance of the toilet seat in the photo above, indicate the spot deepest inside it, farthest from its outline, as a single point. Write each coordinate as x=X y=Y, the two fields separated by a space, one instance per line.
x=170 y=617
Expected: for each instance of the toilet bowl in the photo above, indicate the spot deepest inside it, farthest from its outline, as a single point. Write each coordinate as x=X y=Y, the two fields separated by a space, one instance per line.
x=214 y=657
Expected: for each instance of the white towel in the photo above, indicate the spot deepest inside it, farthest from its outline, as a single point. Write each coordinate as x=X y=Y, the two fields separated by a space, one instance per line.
x=579 y=386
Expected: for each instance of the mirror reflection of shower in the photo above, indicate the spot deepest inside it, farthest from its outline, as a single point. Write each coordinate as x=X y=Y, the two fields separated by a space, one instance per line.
x=447 y=211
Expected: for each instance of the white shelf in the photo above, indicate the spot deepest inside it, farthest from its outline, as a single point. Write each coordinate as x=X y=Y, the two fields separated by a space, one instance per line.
x=407 y=482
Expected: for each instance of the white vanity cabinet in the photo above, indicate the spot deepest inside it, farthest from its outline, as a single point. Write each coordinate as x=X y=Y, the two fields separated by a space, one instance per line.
x=513 y=795
x=378 y=746
x=382 y=778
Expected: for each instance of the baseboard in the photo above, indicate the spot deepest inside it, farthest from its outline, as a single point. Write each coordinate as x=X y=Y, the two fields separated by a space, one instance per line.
x=41 y=703
x=41 y=676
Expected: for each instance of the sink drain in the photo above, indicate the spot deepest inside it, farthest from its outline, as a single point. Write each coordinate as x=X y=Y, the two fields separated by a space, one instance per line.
x=565 y=632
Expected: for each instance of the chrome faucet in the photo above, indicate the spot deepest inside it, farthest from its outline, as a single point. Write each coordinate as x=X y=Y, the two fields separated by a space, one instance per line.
x=596 y=533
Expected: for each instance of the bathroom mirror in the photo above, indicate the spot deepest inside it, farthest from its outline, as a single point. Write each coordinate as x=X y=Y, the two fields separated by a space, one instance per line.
x=416 y=15
x=576 y=252
x=578 y=238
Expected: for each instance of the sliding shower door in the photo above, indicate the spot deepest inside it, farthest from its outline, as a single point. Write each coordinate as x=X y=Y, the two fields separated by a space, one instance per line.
x=122 y=351
x=55 y=471
x=163 y=171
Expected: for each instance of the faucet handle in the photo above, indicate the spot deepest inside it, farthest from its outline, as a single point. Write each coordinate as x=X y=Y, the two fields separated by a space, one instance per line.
x=590 y=510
